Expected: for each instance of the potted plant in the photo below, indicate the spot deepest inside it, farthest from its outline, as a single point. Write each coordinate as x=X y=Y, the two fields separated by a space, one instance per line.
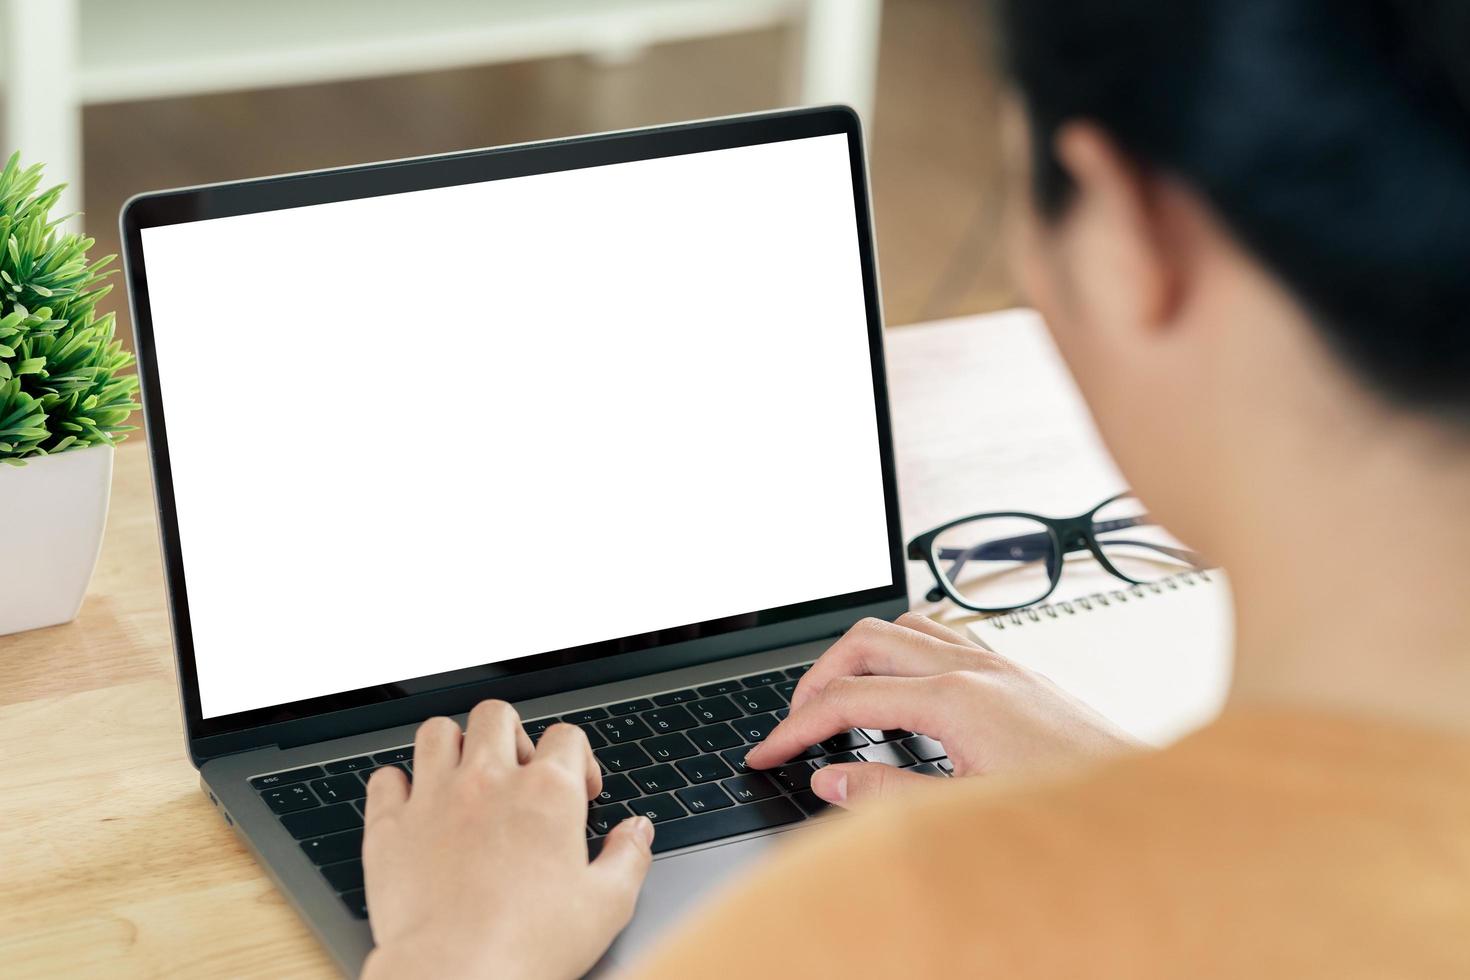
x=63 y=404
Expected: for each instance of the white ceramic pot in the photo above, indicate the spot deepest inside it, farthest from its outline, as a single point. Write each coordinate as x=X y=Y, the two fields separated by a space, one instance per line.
x=52 y=512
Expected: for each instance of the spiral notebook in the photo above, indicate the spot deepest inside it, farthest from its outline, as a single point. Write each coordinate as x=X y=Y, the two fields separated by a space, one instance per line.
x=1154 y=658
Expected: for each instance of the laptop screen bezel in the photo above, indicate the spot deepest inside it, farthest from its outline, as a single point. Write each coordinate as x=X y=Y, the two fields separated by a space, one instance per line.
x=364 y=709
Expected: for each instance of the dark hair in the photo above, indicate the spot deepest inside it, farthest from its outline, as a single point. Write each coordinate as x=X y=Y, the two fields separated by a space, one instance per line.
x=1331 y=136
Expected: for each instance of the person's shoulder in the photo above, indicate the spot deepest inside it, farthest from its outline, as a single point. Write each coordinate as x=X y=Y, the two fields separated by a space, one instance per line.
x=1264 y=845
x=1257 y=842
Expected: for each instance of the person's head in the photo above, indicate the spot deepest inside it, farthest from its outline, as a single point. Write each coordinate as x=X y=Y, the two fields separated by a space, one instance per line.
x=1248 y=225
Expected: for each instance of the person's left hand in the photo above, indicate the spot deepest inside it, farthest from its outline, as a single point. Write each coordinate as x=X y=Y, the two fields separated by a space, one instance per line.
x=993 y=716
x=480 y=868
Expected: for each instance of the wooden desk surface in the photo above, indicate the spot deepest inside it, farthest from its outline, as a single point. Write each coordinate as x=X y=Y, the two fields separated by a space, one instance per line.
x=111 y=861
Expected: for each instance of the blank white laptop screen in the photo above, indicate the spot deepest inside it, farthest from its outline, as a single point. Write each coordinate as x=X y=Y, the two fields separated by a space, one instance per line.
x=430 y=430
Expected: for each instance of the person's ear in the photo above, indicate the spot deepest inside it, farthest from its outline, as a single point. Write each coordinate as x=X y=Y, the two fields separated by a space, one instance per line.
x=1123 y=271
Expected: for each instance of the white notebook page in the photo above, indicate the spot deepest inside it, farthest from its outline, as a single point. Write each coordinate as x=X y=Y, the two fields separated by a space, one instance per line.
x=1155 y=659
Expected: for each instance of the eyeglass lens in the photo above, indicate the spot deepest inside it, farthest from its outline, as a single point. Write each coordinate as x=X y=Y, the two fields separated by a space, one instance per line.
x=997 y=562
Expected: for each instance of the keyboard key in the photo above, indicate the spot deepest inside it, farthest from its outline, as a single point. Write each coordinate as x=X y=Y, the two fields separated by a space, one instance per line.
x=672 y=719
x=760 y=699
x=845 y=741
x=339 y=789
x=334 y=847
x=667 y=748
x=723 y=687
x=344 y=876
x=703 y=769
x=584 y=716
x=621 y=758
x=616 y=788
x=289 y=799
x=748 y=789
x=356 y=901
x=736 y=758
x=285 y=778
x=890 y=754
x=885 y=735
x=927 y=769
x=785 y=689
x=627 y=728
x=923 y=748
x=715 y=709
x=628 y=707
x=601 y=819
x=760 y=815
x=593 y=738
x=811 y=752
x=322 y=820
x=712 y=738
x=946 y=765
x=838 y=758
x=404 y=754
x=676 y=697
x=797 y=776
x=756 y=727
x=658 y=779
x=350 y=765
x=811 y=802
x=783 y=714
x=360 y=806
x=761 y=680
x=659 y=808
x=797 y=672
x=700 y=799
x=535 y=728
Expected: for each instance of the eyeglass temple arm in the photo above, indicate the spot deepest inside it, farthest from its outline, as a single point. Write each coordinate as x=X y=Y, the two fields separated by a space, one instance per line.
x=1035 y=547
x=1182 y=554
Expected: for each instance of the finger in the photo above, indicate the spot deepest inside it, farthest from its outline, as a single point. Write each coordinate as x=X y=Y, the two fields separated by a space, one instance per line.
x=494 y=739
x=622 y=866
x=851 y=702
x=436 y=749
x=855 y=783
x=934 y=628
x=939 y=631
x=875 y=647
x=387 y=790
x=566 y=745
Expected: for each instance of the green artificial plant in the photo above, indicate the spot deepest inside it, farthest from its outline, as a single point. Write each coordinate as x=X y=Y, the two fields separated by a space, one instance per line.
x=61 y=385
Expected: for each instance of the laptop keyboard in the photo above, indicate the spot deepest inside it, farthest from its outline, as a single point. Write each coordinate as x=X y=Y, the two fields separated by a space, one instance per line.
x=677 y=758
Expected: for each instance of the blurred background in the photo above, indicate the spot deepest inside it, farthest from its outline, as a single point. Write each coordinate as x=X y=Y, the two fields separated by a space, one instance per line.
x=122 y=96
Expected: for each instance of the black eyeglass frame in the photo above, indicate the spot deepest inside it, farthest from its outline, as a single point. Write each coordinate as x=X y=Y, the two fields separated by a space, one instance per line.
x=1065 y=535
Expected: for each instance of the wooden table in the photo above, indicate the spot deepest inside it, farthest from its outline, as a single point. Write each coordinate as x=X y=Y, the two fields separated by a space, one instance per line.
x=111 y=861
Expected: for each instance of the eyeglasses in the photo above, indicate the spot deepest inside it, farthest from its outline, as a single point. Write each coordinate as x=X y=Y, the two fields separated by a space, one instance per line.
x=1005 y=560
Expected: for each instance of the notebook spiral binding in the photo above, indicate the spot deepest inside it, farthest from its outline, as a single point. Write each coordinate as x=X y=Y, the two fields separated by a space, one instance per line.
x=1096 y=600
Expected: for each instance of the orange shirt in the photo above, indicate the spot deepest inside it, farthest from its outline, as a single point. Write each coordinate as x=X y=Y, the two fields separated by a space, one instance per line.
x=1267 y=845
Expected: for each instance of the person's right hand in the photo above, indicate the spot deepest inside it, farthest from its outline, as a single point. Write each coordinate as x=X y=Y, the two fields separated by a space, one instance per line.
x=992 y=715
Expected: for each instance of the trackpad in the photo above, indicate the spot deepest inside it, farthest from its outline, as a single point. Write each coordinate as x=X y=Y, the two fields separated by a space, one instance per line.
x=675 y=886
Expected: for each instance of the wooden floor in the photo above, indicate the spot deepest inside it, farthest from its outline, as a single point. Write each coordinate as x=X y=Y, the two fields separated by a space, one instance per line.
x=932 y=138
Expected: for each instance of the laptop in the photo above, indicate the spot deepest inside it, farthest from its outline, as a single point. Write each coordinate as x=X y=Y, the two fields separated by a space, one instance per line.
x=596 y=426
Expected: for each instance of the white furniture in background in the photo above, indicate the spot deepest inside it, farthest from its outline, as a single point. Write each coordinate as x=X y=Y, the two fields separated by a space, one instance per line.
x=60 y=55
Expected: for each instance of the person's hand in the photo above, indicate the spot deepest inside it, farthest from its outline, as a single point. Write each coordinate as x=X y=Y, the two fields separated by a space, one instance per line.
x=992 y=715
x=480 y=868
